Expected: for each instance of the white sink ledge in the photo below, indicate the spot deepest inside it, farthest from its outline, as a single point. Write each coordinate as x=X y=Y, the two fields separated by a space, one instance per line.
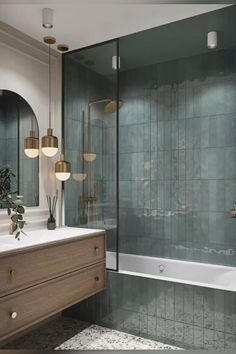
x=44 y=236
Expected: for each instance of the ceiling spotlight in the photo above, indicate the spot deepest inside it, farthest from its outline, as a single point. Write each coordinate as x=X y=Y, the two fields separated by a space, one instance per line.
x=212 y=40
x=47 y=18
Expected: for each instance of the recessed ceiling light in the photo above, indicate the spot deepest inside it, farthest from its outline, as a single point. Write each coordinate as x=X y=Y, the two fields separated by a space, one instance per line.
x=63 y=47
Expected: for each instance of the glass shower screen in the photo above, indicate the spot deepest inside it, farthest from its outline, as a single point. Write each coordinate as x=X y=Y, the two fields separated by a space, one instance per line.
x=90 y=112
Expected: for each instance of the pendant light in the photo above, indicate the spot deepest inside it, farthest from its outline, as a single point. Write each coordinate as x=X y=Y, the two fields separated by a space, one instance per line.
x=49 y=141
x=62 y=169
x=31 y=145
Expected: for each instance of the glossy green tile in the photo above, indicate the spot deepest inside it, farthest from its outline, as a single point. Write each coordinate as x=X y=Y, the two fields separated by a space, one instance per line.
x=188 y=304
x=209 y=339
x=198 y=337
x=213 y=163
x=230 y=341
x=160 y=328
x=219 y=340
x=179 y=302
x=160 y=300
x=219 y=310
x=209 y=308
x=135 y=138
x=178 y=332
x=188 y=335
x=170 y=331
x=152 y=327
x=170 y=297
x=151 y=296
x=143 y=325
x=230 y=312
x=131 y=322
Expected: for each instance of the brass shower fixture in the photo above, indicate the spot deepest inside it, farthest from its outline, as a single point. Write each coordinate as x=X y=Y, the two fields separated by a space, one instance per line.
x=89 y=156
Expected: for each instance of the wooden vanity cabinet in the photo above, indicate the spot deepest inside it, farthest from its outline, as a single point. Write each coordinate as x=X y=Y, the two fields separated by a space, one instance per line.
x=39 y=282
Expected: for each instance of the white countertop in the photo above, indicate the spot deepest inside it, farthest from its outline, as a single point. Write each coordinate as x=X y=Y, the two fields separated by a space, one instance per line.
x=41 y=237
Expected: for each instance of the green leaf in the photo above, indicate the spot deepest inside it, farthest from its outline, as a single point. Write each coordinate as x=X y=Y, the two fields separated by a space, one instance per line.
x=15 y=218
x=20 y=209
x=17 y=235
x=21 y=224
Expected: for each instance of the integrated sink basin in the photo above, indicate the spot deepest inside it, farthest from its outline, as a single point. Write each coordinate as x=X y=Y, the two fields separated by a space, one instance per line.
x=42 y=237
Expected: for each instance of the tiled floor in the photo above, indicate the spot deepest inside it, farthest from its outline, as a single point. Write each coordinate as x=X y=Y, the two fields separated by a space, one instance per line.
x=66 y=333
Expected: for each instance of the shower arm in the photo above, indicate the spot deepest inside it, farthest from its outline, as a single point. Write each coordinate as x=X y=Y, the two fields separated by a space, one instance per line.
x=103 y=100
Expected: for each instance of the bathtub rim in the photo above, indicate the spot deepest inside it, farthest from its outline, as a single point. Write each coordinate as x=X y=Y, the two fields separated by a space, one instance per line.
x=176 y=280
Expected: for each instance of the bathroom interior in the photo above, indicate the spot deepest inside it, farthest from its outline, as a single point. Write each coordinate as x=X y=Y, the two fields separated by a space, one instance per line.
x=140 y=249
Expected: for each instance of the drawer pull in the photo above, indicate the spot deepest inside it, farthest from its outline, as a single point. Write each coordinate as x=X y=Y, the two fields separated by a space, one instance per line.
x=96 y=278
x=96 y=249
x=12 y=273
x=13 y=315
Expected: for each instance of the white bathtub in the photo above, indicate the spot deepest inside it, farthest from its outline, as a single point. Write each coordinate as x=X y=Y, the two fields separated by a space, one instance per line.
x=192 y=273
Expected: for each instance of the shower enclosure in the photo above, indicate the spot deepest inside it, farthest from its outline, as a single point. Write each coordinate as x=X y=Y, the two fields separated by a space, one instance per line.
x=91 y=108
x=163 y=178
x=161 y=130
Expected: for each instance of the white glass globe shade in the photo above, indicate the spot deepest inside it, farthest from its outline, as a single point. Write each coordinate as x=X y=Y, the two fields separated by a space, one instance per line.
x=63 y=176
x=32 y=153
x=49 y=151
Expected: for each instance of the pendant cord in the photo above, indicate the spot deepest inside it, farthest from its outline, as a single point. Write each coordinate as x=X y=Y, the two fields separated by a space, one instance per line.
x=49 y=84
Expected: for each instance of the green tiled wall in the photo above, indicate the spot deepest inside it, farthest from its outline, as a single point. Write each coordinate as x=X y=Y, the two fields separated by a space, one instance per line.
x=184 y=315
x=178 y=158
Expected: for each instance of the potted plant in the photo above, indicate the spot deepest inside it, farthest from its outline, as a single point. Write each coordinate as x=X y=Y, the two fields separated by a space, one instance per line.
x=15 y=208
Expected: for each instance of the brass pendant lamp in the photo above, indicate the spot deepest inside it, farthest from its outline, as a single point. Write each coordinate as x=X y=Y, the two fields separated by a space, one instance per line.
x=49 y=141
x=62 y=169
x=31 y=145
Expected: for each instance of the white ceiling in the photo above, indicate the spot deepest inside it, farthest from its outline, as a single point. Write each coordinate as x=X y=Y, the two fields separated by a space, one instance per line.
x=80 y=23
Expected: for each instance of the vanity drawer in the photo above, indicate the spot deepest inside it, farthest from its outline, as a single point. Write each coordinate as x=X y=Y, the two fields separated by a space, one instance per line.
x=25 y=308
x=21 y=270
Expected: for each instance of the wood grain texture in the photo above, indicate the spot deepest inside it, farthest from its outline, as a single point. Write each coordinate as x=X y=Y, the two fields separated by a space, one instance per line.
x=18 y=271
x=41 y=301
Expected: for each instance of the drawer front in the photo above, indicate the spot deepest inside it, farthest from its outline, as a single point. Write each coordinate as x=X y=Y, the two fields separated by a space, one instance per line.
x=21 y=270
x=25 y=308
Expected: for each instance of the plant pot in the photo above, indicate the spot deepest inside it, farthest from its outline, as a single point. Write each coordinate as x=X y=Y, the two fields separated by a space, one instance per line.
x=51 y=224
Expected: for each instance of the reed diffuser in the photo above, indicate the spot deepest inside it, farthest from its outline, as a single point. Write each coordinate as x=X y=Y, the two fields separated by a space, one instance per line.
x=52 y=202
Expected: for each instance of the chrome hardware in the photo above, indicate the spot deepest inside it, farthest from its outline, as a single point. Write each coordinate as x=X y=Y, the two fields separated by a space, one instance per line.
x=12 y=273
x=13 y=315
x=96 y=278
x=161 y=268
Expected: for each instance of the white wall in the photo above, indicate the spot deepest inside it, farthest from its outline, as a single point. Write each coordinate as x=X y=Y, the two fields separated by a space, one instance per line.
x=24 y=70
